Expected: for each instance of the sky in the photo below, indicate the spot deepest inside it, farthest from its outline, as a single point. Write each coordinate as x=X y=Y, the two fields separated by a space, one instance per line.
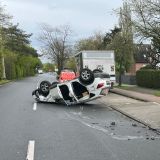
x=84 y=16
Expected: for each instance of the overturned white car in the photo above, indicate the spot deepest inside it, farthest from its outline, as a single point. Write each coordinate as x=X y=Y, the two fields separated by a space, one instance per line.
x=88 y=86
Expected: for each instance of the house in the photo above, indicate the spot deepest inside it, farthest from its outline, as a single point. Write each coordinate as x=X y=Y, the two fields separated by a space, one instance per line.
x=141 y=50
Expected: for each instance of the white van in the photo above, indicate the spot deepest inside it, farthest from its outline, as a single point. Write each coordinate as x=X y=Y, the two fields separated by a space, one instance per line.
x=97 y=60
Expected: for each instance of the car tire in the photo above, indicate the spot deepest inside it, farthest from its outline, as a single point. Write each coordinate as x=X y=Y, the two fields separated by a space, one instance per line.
x=45 y=87
x=36 y=93
x=86 y=76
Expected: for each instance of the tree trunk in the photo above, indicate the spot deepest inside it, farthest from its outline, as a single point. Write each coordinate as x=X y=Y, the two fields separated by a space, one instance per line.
x=120 y=75
x=3 y=68
x=59 y=66
x=120 y=79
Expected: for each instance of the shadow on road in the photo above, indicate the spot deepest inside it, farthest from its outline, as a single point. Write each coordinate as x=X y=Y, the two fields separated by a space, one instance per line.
x=75 y=106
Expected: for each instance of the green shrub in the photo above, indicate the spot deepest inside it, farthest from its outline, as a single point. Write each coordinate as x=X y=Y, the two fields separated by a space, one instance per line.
x=147 y=67
x=10 y=67
x=19 y=71
x=148 y=78
x=19 y=66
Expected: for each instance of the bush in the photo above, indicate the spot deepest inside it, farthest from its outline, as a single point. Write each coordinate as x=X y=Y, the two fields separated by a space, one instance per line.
x=10 y=67
x=147 y=67
x=19 y=66
x=148 y=78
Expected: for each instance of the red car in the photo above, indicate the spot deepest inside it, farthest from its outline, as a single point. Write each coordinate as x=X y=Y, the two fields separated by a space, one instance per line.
x=66 y=75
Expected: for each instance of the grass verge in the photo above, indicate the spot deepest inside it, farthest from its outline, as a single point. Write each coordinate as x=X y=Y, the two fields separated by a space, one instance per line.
x=4 y=81
x=155 y=92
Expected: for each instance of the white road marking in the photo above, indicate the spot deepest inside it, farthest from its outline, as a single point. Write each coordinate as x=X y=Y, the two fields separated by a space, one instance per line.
x=35 y=106
x=156 y=103
x=30 y=153
x=128 y=103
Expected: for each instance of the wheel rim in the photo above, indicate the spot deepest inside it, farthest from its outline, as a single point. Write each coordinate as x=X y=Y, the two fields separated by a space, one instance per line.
x=44 y=87
x=85 y=75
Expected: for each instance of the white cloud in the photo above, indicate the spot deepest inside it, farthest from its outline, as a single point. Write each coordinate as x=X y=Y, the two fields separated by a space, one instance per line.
x=84 y=16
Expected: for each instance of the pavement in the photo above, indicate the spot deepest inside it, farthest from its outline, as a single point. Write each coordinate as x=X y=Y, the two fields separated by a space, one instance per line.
x=136 y=95
x=147 y=113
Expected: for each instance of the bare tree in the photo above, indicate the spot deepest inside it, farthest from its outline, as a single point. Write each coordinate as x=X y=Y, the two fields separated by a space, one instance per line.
x=56 y=43
x=94 y=42
x=146 y=21
x=151 y=55
x=146 y=17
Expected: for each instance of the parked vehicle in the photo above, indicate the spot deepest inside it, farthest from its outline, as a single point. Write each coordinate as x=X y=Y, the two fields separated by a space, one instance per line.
x=40 y=71
x=98 y=62
x=87 y=87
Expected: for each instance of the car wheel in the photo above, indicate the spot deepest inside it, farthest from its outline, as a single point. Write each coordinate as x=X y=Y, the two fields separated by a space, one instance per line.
x=45 y=87
x=86 y=76
x=97 y=71
x=36 y=93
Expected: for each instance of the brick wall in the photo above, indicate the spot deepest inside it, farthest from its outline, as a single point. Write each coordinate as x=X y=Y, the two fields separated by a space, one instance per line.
x=135 y=67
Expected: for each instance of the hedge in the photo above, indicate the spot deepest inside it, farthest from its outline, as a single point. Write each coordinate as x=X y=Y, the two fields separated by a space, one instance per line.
x=148 y=78
x=19 y=66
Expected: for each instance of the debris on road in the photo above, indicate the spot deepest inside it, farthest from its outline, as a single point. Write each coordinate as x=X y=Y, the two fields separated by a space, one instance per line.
x=152 y=138
x=95 y=123
x=134 y=125
x=113 y=123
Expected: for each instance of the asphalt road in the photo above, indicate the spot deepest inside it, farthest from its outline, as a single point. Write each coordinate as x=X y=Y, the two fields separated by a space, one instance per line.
x=58 y=132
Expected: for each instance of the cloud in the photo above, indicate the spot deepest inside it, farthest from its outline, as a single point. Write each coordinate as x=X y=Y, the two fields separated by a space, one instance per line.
x=84 y=16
